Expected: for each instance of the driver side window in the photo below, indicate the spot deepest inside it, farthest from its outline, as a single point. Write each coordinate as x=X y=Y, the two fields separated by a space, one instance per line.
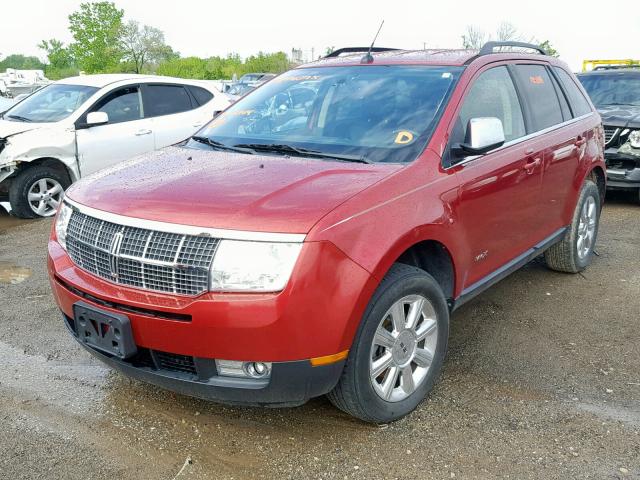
x=492 y=95
x=122 y=105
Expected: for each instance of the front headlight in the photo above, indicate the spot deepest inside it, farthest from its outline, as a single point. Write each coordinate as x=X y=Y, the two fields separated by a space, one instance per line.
x=62 y=222
x=634 y=139
x=253 y=266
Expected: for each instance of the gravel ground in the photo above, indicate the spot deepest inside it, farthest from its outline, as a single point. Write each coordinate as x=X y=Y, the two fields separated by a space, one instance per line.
x=542 y=380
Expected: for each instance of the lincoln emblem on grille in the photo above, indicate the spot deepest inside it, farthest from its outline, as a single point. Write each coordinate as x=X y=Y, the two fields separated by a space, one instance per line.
x=115 y=251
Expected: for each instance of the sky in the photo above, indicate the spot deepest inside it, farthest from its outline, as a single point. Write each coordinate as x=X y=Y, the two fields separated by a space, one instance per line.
x=578 y=30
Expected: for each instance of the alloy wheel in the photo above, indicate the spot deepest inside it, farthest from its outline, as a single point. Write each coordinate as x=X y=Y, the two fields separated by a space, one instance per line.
x=45 y=196
x=403 y=348
x=587 y=228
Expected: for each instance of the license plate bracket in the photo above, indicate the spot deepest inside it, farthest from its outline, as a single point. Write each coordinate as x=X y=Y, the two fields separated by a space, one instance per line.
x=108 y=332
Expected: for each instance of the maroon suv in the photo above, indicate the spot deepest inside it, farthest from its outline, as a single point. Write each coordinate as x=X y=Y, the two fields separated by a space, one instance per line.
x=316 y=236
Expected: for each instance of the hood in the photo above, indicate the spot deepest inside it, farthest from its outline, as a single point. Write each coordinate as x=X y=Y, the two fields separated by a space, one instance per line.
x=620 y=116
x=9 y=128
x=227 y=190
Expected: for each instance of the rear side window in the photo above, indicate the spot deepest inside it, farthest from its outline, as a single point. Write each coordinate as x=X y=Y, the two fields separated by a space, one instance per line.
x=201 y=95
x=492 y=95
x=165 y=100
x=541 y=96
x=579 y=104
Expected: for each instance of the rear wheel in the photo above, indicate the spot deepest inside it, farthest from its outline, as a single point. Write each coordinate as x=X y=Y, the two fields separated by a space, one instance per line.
x=37 y=191
x=399 y=349
x=575 y=252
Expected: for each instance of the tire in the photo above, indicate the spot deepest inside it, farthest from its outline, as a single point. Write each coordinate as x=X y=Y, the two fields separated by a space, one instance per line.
x=355 y=392
x=565 y=256
x=29 y=178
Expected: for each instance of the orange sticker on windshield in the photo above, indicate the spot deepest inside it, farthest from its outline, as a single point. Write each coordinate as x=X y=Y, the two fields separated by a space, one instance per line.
x=537 y=80
x=403 y=137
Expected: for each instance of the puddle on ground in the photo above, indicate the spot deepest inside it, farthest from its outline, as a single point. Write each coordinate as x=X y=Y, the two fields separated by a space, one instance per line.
x=7 y=221
x=13 y=274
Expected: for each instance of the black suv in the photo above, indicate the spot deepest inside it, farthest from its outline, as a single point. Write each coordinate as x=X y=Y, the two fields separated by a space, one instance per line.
x=616 y=95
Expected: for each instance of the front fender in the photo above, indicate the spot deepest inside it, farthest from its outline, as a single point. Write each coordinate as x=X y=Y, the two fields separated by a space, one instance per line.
x=416 y=204
x=26 y=147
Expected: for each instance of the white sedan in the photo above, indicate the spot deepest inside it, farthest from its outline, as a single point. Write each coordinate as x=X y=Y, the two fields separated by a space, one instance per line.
x=80 y=125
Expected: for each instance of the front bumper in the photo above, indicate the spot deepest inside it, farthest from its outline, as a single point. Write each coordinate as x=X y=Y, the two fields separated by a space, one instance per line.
x=623 y=170
x=291 y=383
x=317 y=315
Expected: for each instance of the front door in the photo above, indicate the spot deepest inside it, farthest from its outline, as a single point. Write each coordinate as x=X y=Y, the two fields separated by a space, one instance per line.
x=126 y=135
x=499 y=191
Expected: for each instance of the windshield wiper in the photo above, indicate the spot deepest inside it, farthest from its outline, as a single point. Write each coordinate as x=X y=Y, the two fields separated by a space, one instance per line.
x=20 y=118
x=220 y=145
x=303 y=152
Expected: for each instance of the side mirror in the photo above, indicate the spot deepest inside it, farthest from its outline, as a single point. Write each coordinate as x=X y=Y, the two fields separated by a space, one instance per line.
x=483 y=135
x=96 y=118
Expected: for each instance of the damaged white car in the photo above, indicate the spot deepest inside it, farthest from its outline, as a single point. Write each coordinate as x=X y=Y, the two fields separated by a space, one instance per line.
x=80 y=125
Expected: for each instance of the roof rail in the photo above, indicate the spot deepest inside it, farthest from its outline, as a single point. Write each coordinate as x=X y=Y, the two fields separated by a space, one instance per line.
x=340 y=51
x=488 y=47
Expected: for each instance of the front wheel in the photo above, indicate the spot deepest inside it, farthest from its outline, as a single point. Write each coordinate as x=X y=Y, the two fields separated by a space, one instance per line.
x=399 y=349
x=37 y=191
x=575 y=251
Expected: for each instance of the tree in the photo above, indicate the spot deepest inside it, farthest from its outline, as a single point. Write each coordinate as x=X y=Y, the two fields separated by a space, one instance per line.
x=57 y=54
x=61 y=63
x=21 y=62
x=547 y=47
x=96 y=29
x=506 y=31
x=142 y=45
x=474 y=38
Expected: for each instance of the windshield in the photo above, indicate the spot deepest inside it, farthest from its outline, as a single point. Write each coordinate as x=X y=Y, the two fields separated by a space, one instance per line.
x=612 y=89
x=377 y=113
x=50 y=104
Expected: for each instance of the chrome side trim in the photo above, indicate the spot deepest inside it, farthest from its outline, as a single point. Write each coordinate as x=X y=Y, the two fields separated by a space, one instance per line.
x=187 y=229
x=523 y=139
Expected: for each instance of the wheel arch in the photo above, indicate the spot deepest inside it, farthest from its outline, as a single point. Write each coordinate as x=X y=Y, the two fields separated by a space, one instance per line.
x=430 y=253
x=599 y=177
x=50 y=162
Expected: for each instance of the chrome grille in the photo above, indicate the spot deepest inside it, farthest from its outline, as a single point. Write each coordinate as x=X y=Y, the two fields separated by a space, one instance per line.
x=609 y=134
x=137 y=257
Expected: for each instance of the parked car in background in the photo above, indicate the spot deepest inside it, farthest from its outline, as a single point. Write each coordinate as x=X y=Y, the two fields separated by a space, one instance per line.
x=256 y=78
x=248 y=83
x=616 y=95
x=315 y=237
x=80 y=125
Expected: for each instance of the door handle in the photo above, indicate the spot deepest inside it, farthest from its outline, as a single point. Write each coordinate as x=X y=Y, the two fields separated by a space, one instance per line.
x=580 y=141
x=531 y=164
x=144 y=131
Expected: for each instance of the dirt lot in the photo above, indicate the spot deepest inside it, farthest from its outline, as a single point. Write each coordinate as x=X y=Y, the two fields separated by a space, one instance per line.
x=542 y=381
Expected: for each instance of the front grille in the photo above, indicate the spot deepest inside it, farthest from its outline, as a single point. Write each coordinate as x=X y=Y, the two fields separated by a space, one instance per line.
x=175 y=362
x=610 y=134
x=137 y=257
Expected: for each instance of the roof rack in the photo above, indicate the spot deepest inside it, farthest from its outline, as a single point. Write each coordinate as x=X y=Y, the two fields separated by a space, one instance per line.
x=489 y=47
x=340 y=51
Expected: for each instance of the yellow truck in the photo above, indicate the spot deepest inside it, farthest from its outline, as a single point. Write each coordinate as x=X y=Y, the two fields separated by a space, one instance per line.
x=588 y=65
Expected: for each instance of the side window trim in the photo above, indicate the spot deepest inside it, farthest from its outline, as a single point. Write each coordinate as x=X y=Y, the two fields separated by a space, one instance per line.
x=560 y=90
x=522 y=99
x=81 y=120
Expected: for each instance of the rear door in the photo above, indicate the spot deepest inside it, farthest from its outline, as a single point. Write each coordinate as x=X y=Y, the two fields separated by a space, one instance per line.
x=499 y=191
x=126 y=135
x=174 y=111
x=561 y=139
